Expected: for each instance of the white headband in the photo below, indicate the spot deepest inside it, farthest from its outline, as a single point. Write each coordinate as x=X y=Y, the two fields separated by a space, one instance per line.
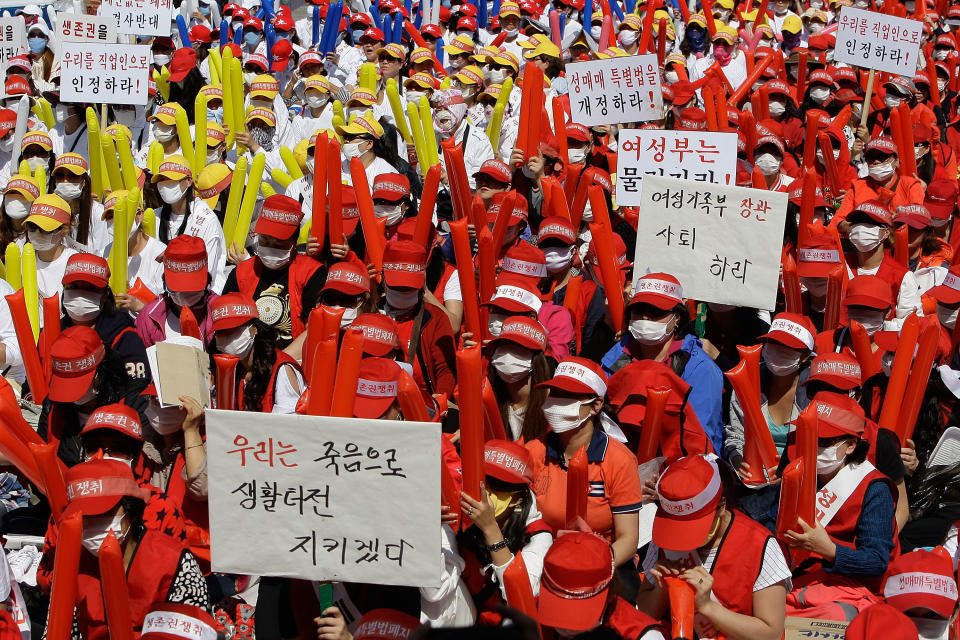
x=582 y=374
x=798 y=331
x=931 y=584
x=663 y=287
x=692 y=505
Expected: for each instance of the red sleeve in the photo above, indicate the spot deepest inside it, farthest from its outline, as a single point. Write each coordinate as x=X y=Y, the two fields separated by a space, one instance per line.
x=442 y=359
x=45 y=569
x=452 y=459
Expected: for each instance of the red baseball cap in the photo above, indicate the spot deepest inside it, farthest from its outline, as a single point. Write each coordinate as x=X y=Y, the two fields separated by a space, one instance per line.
x=17 y=86
x=232 y=310
x=875 y=210
x=818 y=256
x=87 y=267
x=404 y=264
x=578 y=375
x=523 y=331
x=184 y=60
x=97 y=486
x=577 y=572
x=922 y=579
x=347 y=277
x=76 y=353
x=385 y=624
x=692 y=119
x=391 y=186
x=200 y=33
x=948 y=292
x=556 y=227
x=837 y=415
x=839 y=370
x=913 y=215
x=690 y=490
x=169 y=621
x=508 y=461
x=372 y=34
x=8 y=120
x=941 y=198
x=792 y=329
x=661 y=290
x=627 y=389
x=377 y=384
x=868 y=291
x=185 y=264
x=518 y=214
x=380 y=334
x=881 y=621
x=515 y=295
x=619 y=248
x=525 y=260
x=281 y=53
x=496 y=169
x=350 y=210
x=116 y=417
x=280 y=217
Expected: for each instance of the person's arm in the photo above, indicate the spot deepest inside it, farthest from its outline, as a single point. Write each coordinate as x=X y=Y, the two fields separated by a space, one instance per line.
x=194 y=450
x=626 y=532
x=769 y=609
x=874 y=536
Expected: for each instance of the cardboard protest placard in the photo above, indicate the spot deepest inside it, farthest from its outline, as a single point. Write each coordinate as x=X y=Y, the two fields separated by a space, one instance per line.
x=80 y=28
x=722 y=243
x=805 y=628
x=703 y=156
x=143 y=17
x=877 y=41
x=13 y=37
x=615 y=90
x=324 y=498
x=110 y=73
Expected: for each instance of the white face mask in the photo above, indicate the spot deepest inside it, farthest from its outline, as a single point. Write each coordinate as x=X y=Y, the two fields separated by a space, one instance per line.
x=780 y=359
x=349 y=315
x=82 y=305
x=827 y=458
x=171 y=191
x=495 y=323
x=671 y=76
x=68 y=190
x=865 y=237
x=213 y=156
x=776 y=107
x=595 y=31
x=164 y=420
x=558 y=258
x=768 y=164
x=273 y=258
x=819 y=94
x=882 y=172
x=6 y=144
x=563 y=414
x=892 y=101
x=947 y=316
x=495 y=76
x=351 y=150
x=919 y=151
x=872 y=319
x=836 y=155
x=886 y=362
x=413 y=97
x=316 y=100
x=161 y=59
x=96 y=529
x=235 y=342
x=164 y=132
x=35 y=163
x=42 y=241
x=928 y=629
x=512 y=362
x=248 y=77
x=392 y=213
x=651 y=331
x=941 y=85
x=401 y=300
x=186 y=298
x=940 y=54
x=16 y=207
x=627 y=37
x=816 y=286
x=576 y=156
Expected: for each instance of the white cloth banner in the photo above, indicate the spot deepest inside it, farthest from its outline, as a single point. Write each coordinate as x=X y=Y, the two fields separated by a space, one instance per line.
x=615 y=90
x=722 y=243
x=322 y=498
x=877 y=41
x=82 y=28
x=144 y=17
x=110 y=73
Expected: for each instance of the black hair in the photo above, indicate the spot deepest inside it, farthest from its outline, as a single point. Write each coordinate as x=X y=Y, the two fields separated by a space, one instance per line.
x=163 y=231
x=185 y=93
x=514 y=529
x=134 y=508
x=80 y=208
x=111 y=380
x=264 y=357
x=534 y=423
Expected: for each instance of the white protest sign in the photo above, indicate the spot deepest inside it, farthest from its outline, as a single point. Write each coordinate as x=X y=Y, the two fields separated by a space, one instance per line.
x=615 y=90
x=877 y=41
x=80 y=28
x=143 y=17
x=704 y=156
x=111 y=73
x=321 y=498
x=13 y=37
x=722 y=243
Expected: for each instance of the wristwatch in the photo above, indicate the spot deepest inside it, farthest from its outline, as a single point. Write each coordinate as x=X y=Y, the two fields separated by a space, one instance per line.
x=497 y=546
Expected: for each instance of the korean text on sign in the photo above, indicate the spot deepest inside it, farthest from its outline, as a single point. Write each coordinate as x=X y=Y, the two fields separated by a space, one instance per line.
x=703 y=156
x=145 y=17
x=877 y=41
x=12 y=37
x=82 y=28
x=615 y=91
x=723 y=243
x=111 y=73
x=318 y=497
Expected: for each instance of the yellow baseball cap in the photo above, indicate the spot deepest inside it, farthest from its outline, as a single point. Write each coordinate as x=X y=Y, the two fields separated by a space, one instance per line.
x=165 y=114
x=792 y=24
x=362 y=125
x=470 y=74
x=459 y=45
x=216 y=135
x=264 y=86
x=23 y=184
x=485 y=54
x=173 y=168
x=362 y=97
x=72 y=162
x=509 y=9
x=544 y=48
x=264 y=115
x=49 y=212
x=38 y=138
x=317 y=83
x=211 y=182
x=726 y=33
x=507 y=59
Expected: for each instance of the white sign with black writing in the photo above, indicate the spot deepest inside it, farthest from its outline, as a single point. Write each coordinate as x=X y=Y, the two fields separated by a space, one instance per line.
x=110 y=73
x=723 y=243
x=704 y=156
x=615 y=90
x=82 y=28
x=322 y=498
x=143 y=17
x=877 y=41
x=13 y=37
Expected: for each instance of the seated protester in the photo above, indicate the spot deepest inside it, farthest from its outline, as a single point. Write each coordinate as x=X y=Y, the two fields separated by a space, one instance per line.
x=867 y=300
x=517 y=366
x=71 y=181
x=515 y=295
x=270 y=380
x=768 y=157
x=47 y=228
x=573 y=412
x=491 y=178
x=156 y=624
x=506 y=521
x=922 y=584
x=735 y=566
x=87 y=301
x=425 y=333
x=363 y=138
x=157 y=565
x=841 y=558
x=817 y=257
x=86 y=375
x=186 y=284
x=881 y=620
x=659 y=329
x=580 y=591
x=144 y=258
x=18 y=195
x=281 y=281
x=451 y=123
x=930 y=256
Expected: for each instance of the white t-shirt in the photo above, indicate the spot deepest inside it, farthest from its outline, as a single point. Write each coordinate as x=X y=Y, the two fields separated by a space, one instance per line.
x=50 y=276
x=144 y=265
x=285 y=396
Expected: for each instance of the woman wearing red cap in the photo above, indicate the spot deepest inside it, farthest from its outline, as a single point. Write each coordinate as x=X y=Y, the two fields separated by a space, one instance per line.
x=735 y=567
x=517 y=367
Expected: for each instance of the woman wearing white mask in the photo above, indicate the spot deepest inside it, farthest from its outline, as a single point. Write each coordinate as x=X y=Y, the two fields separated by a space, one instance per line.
x=628 y=34
x=768 y=157
x=517 y=366
x=113 y=432
x=882 y=160
x=363 y=138
x=317 y=111
x=37 y=149
x=144 y=259
x=163 y=129
x=47 y=227
x=870 y=233
x=391 y=200
x=783 y=109
x=573 y=412
x=18 y=196
x=270 y=381
x=71 y=181
x=930 y=607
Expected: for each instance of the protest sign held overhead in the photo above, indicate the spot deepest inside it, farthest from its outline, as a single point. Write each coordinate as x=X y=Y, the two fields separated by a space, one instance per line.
x=876 y=41
x=615 y=91
x=79 y=28
x=112 y=73
x=149 y=17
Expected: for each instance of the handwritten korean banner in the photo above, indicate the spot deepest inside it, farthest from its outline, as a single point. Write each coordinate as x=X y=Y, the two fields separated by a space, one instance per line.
x=615 y=91
x=78 y=28
x=145 y=17
x=704 y=156
x=13 y=37
x=722 y=243
x=112 y=73
x=803 y=628
x=324 y=498
x=877 y=41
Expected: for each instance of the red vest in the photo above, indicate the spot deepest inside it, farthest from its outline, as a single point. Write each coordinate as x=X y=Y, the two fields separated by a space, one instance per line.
x=149 y=576
x=738 y=563
x=195 y=514
x=843 y=526
x=630 y=623
x=301 y=269
x=267 y=405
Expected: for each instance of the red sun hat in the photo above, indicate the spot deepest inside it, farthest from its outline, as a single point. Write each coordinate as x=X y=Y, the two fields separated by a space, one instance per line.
x=116 y=417
x=838 y=370
x=837 y=415
x=922 y=579
x=377 y=383
x=792 y=329
x=661 y=290
x=508 y=461
x=185 y=264
x=381 y=335
x=76 y=353
x=280 y=217
x=87 y=267
x=169 y=621
x=690 y=490
x=578 y=375
x=577 y=572
x=232 y=310
x=523 y=331
x=404 y=264
x=97 y=486
x=385 y=624
x=347 y=277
